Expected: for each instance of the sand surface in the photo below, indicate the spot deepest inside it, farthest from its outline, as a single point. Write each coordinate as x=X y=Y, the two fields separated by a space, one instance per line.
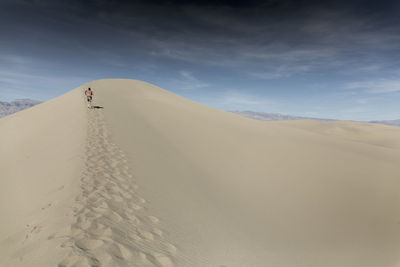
x=154 y=179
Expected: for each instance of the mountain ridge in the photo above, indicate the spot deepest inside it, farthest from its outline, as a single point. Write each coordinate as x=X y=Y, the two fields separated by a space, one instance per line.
x=8 y=108
x=265 y=116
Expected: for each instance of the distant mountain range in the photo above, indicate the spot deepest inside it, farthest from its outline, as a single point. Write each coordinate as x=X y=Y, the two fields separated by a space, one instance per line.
x=391 y=123
x=7 y=108
x=274 y=116
x=280 y=117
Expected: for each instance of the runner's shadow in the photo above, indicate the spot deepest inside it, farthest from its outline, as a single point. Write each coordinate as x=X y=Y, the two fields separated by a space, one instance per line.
x=97 y=107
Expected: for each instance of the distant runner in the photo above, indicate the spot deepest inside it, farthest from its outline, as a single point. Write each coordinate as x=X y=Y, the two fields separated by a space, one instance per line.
x=89 y=95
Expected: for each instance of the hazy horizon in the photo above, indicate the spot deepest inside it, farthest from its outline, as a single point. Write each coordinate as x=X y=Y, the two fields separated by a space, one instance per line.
x=334 y=59
x=8 y=108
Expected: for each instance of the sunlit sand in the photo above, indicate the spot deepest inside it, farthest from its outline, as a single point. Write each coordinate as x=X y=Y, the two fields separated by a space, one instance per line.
x=154 y=179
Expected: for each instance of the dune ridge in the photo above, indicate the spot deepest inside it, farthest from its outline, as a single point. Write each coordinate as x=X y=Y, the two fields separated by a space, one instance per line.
x=155 y=179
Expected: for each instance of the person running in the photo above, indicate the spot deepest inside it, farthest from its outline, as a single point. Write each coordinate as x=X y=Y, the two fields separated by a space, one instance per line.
x=89 y=96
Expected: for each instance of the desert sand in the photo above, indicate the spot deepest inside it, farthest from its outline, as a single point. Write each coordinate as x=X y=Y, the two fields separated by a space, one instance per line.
x=154 y=179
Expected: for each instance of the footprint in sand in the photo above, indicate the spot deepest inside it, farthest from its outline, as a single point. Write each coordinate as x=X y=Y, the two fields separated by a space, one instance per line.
x=135 y=237
x=77 y=232
x=112 y=227
x=67 y=244
x=126 y=195
x=88 y=244
x=100 y=230
x=35 y=230
x=153 y=219
x=103 y=258
x=133 y=218
x=171 y=248
x=118 y=198
x=86 y=263
x=146 y=235
x=47 y=206
x=135 y=207
x=83 y=224
x=69 y=261
x=119 y=251
x=162 y=260
x=157 y=232
x=101 y=205
x=144 y=259
x=113 y=216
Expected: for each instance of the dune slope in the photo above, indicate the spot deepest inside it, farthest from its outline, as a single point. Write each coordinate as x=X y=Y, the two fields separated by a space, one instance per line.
x=154 y=179
x=41 y=158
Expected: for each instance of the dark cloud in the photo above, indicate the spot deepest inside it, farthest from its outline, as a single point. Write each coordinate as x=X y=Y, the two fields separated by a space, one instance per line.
x=262 y=39
x=221 y=31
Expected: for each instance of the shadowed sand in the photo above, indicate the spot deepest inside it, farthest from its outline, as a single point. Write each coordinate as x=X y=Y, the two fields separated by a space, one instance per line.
x=154 y=179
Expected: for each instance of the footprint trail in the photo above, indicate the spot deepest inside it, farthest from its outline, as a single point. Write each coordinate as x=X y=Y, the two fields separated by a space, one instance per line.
x=112 y=226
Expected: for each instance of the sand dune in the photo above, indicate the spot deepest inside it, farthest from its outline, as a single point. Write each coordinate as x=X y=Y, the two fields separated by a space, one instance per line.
x=154 y=179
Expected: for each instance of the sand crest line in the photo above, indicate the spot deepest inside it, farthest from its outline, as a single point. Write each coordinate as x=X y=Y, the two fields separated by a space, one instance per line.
x=112 y=226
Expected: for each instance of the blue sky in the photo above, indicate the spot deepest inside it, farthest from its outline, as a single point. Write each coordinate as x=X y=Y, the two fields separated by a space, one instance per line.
x=336 y=59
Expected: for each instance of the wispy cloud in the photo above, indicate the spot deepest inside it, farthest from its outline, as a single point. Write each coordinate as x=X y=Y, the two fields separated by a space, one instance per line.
x=279 y=72
x=354 y=110
x=362 y=101
x=187 y=81
x=238 y=100
x=379 y=86
x=15 y=84
x=14 y=59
